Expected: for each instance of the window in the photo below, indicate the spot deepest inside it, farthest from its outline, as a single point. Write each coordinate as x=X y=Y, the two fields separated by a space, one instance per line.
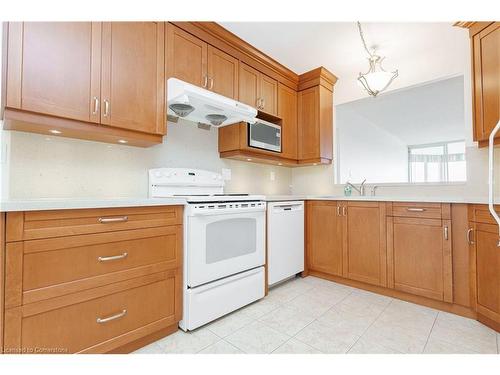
x=437 y=162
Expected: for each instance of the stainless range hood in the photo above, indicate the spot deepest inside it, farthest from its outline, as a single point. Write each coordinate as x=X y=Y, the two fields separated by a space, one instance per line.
x=199 y=105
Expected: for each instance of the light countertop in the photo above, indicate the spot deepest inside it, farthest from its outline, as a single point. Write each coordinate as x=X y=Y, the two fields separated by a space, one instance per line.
x=381 y=198
x=81 y=203
x=77 y=203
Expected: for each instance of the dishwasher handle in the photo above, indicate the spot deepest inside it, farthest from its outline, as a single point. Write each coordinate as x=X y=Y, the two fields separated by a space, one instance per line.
x=289 y=206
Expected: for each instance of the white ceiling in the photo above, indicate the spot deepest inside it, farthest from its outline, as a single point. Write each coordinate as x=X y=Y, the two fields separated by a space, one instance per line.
x=421 y=51
x=419 y=115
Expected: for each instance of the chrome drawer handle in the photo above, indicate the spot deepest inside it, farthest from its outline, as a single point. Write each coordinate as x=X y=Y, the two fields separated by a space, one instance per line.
x=120 y=219
x=112 y=317
x=445 y=230
x=411 y=209
x=114 y=257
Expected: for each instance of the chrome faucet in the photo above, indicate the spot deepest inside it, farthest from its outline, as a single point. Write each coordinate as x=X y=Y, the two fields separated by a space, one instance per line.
x=374 y=190
x=361 y=189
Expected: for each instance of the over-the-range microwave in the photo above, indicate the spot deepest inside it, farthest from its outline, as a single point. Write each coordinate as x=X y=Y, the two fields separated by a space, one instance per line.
x=265 y=135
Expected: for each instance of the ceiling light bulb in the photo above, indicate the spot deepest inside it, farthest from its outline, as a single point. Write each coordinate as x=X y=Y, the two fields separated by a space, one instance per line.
x=54 y=131
x=249 y=159
x=122 y=141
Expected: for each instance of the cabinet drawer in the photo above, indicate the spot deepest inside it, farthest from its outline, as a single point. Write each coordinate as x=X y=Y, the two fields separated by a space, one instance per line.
x=46 y=224
x=98 y=323
x=421 y=210
x=40 y=269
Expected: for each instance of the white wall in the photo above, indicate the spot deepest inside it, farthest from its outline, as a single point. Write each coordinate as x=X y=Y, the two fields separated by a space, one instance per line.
x=367 y=151
x=319 y=180
x=51 y=167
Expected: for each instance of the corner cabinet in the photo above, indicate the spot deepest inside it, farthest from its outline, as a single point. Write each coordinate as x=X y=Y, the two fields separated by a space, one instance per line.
x=315 y=117
x=485 y=50
x=483 y=240
x=347 y=239
x=73 y=76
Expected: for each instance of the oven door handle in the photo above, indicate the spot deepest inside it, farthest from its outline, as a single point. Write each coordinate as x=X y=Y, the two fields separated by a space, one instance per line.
x=214 y=212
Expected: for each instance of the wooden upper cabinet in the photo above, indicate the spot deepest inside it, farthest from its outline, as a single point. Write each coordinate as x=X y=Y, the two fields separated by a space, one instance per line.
x=186 y=57
x=315 y=125
x=222 y=73
x=269 y=94
x=287 y=111
x=487 y=255
x=315 y=117
x=54 y=68
x=486 y=80
x=364 y=233
x=258 y=90
x=324 y=237
x=419 y=257
x=249 y=90
x=133 y=87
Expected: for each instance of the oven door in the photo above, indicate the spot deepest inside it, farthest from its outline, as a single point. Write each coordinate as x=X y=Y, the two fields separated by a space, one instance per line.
x=220 y=245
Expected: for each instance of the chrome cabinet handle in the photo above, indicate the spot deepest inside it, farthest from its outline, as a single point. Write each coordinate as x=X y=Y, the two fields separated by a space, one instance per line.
x=106 y=220
x=338 y=210
x=211 y=83
x=257 y=104
x=470 y=241
x=445 y=230
x=114 y=257
x=205 y=81
x=263 y=103
x=344 y=211
x=106 y=107
x=112 y=317
x=412 y=209
x=96 y=105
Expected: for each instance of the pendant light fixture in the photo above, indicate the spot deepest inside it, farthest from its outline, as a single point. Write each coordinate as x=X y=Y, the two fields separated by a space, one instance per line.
x=376 y=79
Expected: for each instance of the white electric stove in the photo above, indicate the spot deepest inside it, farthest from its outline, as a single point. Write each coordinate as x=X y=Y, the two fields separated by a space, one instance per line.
x=224 y=243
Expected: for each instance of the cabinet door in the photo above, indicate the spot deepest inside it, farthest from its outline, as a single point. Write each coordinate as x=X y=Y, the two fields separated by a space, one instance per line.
x=486 y=50
x=488 y=272
x=133 y=88
x=54 y=68
x=419 y=257
x=324 y=237
x=308 y=123
x=186 y=57
x=269 y=94
x=249 y=90
x=287 y=110
x=222 y=73
x=365 y=252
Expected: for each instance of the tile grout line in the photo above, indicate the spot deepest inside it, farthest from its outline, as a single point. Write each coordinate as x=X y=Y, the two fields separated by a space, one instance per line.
x=372 y=323
x=430 y=332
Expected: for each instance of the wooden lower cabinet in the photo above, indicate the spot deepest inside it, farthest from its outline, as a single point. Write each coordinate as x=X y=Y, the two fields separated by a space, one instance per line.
x=90 y=322
x=419 y=257
x=487 y=253
x=347 y=239
x=112 y=277
x=365 y=250
x=324 y=237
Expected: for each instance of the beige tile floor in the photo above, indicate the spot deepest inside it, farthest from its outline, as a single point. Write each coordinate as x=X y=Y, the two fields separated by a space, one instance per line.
x=312 y=315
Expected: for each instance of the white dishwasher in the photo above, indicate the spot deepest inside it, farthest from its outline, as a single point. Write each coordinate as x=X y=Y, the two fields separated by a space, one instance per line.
x=285 y=240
